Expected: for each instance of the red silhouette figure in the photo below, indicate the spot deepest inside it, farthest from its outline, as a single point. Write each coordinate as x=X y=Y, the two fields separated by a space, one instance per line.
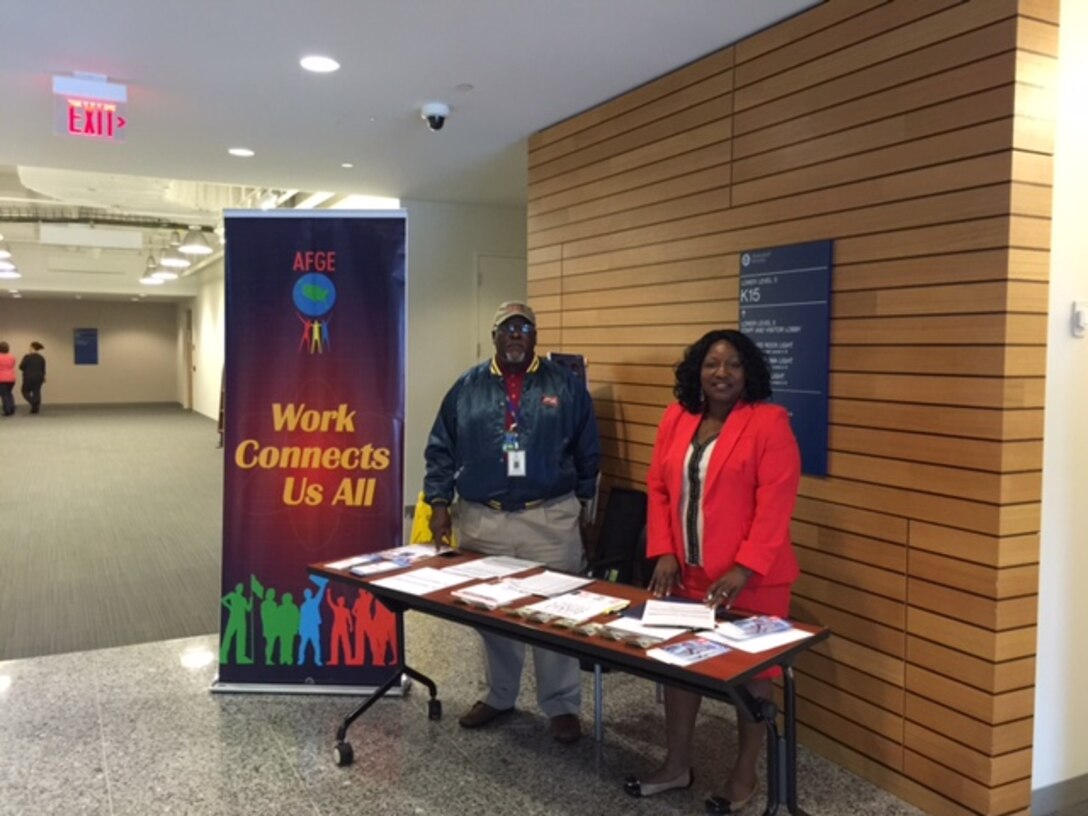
x=361 y=610
x=305 y=341
x=382 y=634
x=340 y=643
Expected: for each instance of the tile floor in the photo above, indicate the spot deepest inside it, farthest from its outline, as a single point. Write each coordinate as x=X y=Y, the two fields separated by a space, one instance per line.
x=132 y=730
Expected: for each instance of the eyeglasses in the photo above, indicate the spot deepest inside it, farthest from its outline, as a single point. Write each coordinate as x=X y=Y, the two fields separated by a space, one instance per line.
x=514 y=327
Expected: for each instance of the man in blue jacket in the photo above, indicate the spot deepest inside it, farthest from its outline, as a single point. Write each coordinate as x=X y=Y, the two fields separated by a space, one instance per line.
x=516 y=439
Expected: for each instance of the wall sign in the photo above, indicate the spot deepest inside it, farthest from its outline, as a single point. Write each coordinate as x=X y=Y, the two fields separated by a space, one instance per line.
x=86 y=346
x=785 y=308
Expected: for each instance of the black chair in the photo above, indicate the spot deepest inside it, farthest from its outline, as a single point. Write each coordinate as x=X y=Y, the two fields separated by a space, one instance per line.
x=619 y=556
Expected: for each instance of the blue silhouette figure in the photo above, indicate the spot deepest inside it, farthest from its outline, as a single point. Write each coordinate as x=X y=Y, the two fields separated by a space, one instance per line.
x=309 y=626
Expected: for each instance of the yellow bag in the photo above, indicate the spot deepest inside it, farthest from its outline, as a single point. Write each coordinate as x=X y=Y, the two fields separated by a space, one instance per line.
x=421 y=525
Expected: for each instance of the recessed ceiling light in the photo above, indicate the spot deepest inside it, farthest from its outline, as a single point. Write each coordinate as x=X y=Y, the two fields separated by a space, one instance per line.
x=347 y=165
x=241 y=152
x=319 y=64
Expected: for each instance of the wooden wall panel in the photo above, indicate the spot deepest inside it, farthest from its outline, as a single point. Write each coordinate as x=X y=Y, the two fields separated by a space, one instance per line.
x=918 y=136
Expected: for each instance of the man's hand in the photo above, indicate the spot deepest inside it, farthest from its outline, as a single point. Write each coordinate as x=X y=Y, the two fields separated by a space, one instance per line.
x=666 y=576
x=441 y=526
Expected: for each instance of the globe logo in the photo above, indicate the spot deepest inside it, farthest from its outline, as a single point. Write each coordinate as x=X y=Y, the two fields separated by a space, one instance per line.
x=745 y=259
x=314 y=294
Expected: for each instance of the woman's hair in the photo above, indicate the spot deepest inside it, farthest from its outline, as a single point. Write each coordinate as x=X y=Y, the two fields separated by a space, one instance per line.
x=36 y=346
x=4 y=347
x=757 y=373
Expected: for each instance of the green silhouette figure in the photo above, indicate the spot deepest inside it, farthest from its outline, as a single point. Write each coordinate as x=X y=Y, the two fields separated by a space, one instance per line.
x=270 y=624
x=238 y=607
x=286 y=626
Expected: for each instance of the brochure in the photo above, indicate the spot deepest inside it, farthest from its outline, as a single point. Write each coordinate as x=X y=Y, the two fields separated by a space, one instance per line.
x=493 y=566
x=421 y=581
x=686 y=652
x=575 y=607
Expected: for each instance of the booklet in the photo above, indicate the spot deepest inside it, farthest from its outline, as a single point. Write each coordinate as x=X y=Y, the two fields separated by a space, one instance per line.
x=491 y=595
x=680 y=614
x=633 y=630
x=755 y=626
x=686 y=652
x=574 y=607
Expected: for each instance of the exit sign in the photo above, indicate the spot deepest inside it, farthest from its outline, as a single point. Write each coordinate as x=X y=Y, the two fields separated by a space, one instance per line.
x=88 y=106
x=98 y=120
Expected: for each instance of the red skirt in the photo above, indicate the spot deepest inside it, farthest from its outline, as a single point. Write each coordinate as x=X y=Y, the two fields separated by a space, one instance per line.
x=760 y=600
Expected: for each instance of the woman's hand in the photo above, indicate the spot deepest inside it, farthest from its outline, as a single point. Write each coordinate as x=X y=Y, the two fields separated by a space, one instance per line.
x=726 y=589
x=666 y=576
x=441 y=526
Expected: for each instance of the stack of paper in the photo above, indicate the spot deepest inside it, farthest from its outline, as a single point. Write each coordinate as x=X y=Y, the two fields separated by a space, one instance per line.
x=491 y=595
x=493 y=566
x=678 y=614
x=635 y=630
x=548 y=584
x=421 y=581
x=575 y=607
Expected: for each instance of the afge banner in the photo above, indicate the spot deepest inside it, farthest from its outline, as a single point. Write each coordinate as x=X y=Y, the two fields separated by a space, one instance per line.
x=313 y=442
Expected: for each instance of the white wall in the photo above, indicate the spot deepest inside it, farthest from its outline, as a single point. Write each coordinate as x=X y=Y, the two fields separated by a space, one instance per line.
x=443 y=241
x=209 y=348
x=1061 y=706
x=137 y=352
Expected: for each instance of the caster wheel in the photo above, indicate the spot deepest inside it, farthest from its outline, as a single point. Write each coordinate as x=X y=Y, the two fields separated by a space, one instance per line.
x=342 y=754
x=434 y=709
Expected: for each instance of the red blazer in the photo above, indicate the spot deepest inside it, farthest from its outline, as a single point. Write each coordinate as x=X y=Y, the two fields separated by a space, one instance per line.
x=748 y=498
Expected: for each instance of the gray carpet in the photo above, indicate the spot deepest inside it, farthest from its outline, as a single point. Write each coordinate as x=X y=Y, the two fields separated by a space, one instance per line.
x=110 y=527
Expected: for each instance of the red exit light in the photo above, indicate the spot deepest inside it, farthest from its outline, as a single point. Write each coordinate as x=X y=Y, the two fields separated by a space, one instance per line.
x=95 y=119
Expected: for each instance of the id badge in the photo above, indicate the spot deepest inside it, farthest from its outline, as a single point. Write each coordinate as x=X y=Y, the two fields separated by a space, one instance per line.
x=515 y=463
x=510 y=441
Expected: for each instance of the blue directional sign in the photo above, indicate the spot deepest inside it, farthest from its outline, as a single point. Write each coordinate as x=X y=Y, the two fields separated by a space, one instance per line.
x=785 y=295
x=86 y=346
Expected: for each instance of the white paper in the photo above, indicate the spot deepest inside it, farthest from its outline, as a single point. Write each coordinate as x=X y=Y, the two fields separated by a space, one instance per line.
x=759 y=644
x=672 y=613
x=491 y=595
x=350 y=562
x=636 y=628
x=421 y=581
x=493 y=566
x=549 y=584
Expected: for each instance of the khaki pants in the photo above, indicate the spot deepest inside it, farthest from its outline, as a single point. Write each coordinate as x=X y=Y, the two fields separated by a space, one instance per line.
x=548 y=533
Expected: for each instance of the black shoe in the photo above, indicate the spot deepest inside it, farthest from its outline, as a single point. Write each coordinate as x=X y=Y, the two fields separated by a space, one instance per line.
x=632 y=786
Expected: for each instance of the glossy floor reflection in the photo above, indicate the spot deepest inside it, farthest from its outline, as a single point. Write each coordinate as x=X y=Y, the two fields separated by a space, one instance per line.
x=134 y=730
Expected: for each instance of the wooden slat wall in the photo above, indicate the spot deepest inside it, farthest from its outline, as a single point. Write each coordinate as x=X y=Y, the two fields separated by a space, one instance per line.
x=919 y=136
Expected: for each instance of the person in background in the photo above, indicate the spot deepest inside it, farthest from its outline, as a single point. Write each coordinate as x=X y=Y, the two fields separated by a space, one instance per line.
x=7 y=379
x=722 y=486
x=517 y=439
x=33 y=367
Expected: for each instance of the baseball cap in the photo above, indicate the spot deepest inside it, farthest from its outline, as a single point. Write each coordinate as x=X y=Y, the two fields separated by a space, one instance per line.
x=512 y=308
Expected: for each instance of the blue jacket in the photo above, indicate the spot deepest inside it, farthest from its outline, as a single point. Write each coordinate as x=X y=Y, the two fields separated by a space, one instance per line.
x=556 y=429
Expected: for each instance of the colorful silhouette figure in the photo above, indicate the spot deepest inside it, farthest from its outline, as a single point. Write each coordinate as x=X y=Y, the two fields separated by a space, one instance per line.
x=382 y=634
x=363 y=621
x=306 y=332
x=315 y=340
x=309 y=627
x=270 y=625
x=286 y=627
x=238 y=607
x=340 y=642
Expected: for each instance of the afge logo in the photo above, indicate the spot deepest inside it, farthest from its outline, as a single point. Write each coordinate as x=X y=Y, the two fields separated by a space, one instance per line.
x=314 y=295
x=745 y=259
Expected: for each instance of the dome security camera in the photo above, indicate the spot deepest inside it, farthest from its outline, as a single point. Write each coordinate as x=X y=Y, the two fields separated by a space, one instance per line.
x=435 y=113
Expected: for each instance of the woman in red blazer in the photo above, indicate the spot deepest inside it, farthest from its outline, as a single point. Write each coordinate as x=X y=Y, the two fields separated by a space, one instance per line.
x=722 y=486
